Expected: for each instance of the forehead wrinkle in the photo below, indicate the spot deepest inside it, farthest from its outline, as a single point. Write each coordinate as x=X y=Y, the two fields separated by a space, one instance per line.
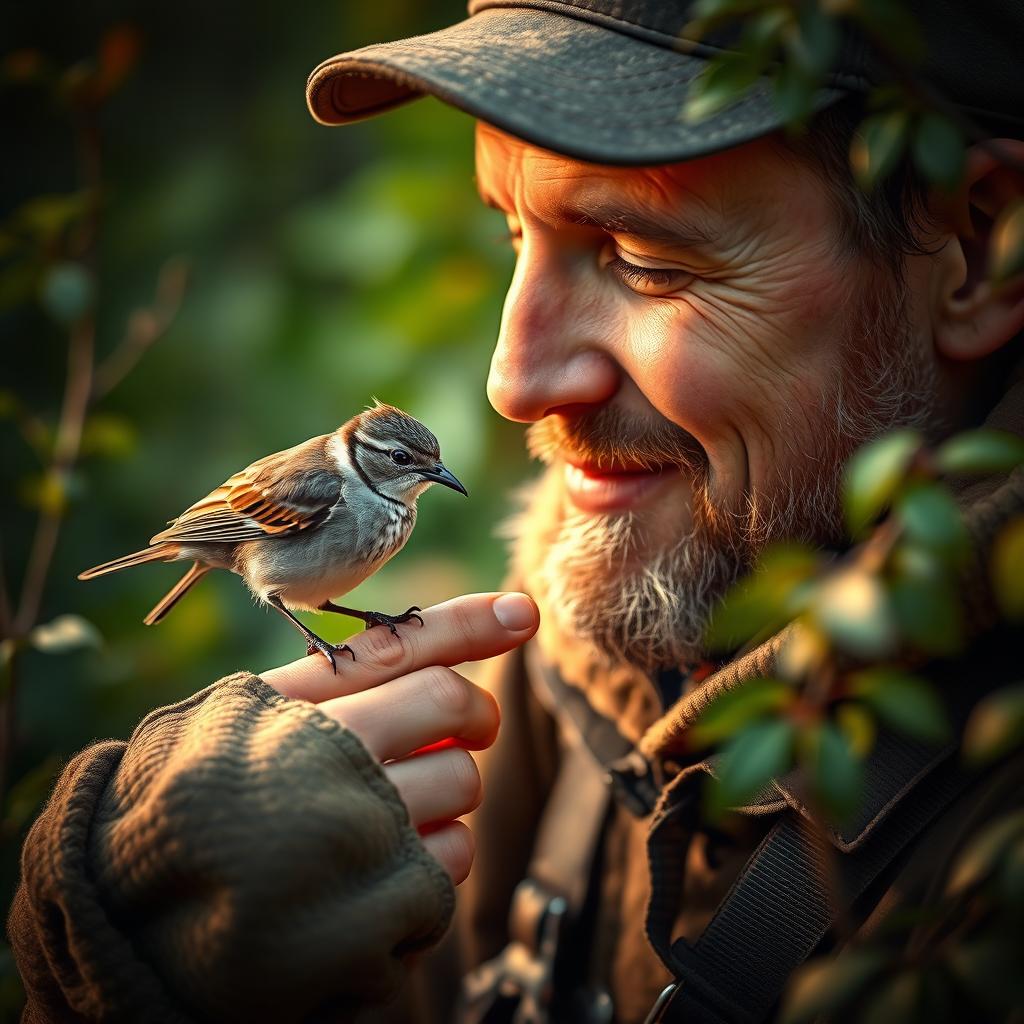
x=650 y=204
x=638 y=218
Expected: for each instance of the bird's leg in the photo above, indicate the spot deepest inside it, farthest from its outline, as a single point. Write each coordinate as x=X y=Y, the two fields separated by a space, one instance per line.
x=314 y=643
x=372 y=619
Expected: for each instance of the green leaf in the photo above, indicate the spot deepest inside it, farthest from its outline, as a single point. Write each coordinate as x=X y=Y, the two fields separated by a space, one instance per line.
x=989 y=968
x=793 y=93
x=982 y=857
x=873 y=476
x=803 y=652
x=813 y=46
x=836 y=773
x=46 y=491
x=737 y=708
x=767 y=599
x=929 y=612
x=67 y=292
x=10 y=404
x=827 y=986
x=65 y=633
x=995 y=726
x=877 y=146
x=1006 y=570
x=931 y=519
x=857 y=726
x=762 y=31
x=724 y=82
x=852 y=607
x=938 y=149
x=108 y=435
x=902 y=701
x=1006 y=244
x=1011 y=874
x=895 y=1001
x=47 y=216
x=892 y=22
x=980 y=451
x=761 y=752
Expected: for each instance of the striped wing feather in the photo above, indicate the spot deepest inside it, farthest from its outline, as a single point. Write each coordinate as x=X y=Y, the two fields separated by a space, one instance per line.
x=278 y=496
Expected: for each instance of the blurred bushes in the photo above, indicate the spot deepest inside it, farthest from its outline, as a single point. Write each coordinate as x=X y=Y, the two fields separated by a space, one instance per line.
x=326 y=266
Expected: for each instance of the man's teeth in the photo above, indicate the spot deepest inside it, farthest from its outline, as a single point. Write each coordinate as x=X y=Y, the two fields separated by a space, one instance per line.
x=575 y=476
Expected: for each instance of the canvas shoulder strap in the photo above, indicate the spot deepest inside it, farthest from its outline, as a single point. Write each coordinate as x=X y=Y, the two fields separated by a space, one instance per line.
x=781 y=908
x=596 y=767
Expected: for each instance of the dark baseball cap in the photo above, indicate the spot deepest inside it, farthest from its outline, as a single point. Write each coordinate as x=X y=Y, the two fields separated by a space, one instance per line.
x=607 y=80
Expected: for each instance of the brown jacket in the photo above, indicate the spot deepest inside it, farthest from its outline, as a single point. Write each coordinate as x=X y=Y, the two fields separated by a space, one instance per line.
x=662 y=877
x=243 y=858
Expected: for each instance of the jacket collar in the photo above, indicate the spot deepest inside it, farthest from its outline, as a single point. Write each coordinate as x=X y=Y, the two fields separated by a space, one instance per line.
x=626 y=696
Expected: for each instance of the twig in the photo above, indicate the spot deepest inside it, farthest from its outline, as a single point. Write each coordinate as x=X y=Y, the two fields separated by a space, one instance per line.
x=65 y=451
x=6 y=611
x=145 y=327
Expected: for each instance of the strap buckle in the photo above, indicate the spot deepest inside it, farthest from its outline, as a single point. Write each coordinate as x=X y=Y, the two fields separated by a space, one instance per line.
x=662 y=1004
x=516 y=986
x=633 y=783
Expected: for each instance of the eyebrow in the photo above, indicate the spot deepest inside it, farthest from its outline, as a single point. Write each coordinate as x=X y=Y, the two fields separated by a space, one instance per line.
x=616 y=218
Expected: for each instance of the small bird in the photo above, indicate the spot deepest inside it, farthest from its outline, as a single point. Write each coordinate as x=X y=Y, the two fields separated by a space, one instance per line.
x=309 y=523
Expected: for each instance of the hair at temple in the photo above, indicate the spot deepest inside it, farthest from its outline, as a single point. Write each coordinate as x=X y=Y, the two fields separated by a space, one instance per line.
x=884 y=223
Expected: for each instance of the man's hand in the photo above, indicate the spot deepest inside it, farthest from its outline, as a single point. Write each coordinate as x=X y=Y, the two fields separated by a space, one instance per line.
x=425 y=703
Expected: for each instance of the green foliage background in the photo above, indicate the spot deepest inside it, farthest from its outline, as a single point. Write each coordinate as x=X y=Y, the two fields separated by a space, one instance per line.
x=327 y=266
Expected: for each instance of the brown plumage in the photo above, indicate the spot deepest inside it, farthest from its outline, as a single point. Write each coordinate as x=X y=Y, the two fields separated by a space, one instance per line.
x=309 y=523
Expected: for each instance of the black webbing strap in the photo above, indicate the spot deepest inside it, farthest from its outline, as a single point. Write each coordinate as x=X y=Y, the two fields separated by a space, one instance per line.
x=780 y=908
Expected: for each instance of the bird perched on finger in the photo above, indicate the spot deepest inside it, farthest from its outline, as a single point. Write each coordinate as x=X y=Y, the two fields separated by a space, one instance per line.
x=309 y=523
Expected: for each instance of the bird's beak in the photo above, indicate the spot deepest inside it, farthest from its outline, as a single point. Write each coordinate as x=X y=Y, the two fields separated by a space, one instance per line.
x=440 y=475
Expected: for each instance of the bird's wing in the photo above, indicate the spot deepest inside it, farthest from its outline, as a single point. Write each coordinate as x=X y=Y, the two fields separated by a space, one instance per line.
x=278 y=496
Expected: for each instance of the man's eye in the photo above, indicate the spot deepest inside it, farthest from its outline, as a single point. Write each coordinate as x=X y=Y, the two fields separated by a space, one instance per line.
x=648 y=280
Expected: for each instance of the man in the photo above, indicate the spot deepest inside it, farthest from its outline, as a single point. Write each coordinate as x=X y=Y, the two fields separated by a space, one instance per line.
x=705 y=320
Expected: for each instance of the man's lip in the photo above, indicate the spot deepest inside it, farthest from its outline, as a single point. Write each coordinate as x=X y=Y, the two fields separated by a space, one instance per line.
x=611 y=489
x=601 y=469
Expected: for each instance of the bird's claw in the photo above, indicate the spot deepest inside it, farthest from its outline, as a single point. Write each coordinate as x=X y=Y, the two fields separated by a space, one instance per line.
x=328 y=650
x=380 y=619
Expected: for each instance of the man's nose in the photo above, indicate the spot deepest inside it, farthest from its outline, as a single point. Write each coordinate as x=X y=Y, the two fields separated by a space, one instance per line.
x=551 y=349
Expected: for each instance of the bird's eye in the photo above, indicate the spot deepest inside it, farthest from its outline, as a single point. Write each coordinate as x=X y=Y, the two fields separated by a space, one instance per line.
x=400 y=458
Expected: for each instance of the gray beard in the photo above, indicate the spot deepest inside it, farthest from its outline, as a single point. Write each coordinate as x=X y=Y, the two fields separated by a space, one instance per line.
x=602 y=581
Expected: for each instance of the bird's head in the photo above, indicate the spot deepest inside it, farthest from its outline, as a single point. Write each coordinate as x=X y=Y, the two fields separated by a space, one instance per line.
x=395 y=454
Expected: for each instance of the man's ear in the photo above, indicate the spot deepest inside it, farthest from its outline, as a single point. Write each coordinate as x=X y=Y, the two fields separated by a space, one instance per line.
x=971 y=318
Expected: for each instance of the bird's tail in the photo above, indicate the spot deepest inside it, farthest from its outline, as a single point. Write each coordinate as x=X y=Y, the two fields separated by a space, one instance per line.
x=176 y=593
x=157 y=553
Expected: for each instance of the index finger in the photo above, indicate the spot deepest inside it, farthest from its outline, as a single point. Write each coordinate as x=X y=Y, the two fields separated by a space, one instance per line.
x=467 y=628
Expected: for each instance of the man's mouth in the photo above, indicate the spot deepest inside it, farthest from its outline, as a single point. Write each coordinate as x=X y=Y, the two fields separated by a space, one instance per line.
x=617 y=488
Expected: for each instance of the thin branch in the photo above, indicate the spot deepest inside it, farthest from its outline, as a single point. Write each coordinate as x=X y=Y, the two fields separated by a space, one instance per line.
x=8 y=720
x=65 y=451
x=145 y=328
x=6 y=611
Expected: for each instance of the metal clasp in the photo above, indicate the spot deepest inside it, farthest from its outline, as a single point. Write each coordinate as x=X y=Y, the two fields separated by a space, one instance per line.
x=662 y=1003
x=521 y=976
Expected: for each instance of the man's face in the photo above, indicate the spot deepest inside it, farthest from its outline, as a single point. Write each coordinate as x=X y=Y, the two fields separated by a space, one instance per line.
x=699 y=354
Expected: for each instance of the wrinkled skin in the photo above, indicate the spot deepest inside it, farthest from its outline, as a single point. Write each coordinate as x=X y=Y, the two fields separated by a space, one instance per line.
x=731 y=343
x=735 y=336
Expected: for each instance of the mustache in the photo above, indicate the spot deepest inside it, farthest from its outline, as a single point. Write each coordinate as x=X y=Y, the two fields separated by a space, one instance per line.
x=609 y=437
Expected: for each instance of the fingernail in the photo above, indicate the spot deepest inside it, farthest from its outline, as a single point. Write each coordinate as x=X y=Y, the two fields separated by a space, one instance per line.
x=515 y=612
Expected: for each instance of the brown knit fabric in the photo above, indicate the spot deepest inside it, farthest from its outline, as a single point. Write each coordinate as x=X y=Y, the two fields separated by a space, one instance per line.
x=241 y=858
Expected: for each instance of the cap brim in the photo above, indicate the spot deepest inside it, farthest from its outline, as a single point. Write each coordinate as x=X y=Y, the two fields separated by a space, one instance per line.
x=578 y=88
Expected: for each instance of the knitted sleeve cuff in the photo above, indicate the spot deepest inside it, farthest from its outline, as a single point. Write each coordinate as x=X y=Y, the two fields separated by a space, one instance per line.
x=242 y=857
